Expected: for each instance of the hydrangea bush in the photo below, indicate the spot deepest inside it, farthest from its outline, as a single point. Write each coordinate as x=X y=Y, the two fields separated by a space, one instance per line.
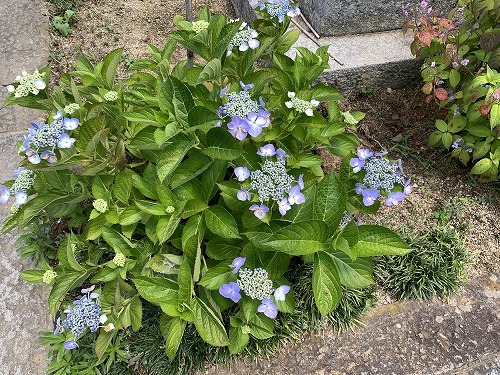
x=462 y=58
x=192 y=187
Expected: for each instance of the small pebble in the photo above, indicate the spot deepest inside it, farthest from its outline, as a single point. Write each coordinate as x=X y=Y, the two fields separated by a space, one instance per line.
x=439 y=319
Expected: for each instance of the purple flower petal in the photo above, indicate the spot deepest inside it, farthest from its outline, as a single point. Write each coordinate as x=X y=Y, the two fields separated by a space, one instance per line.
x=267 y=150
x=238 y=128
x=407 y=189
x=363 y=153
x=281 y=154
x=242 y=173
x=246 y=87
x=394 y=198
x=244 y=195
x=295 y=196
x=370 y=196
x=69 y=345
x=65 y=141
x=70 y=123
x=268 y=308
x=4 y=194
x=284 y=206
x=357 y=164
x=358 y=188
x=231 y=291
x=237 y=264
x=21 y=197
x=259 y=211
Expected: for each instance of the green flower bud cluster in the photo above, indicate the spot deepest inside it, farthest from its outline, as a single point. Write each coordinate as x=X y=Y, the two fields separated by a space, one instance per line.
x=100 y=205
x=119 y=259
x=48 y=276
x=111 y=96
x=28 y=83
x=199 y=26
x=71 y=108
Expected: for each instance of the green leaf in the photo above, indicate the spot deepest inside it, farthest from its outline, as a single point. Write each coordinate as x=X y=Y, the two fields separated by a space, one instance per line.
x=167 y=225
x=221 y=222
x=175 y=330
x=211 y=71
x=481 y=166
x=123 y=185
x=353 y=273
x=103 y=341
x=136 y=313
x=220 y=144
x=171 y=158
x=302 y=238
x=441 y=125
x=201 y=117
x=326 y=283
x=377 y=240
x=217 y=276
x=151 y=208
x=495 y=116
x=454 y=78
x=324 y=202
x=64 y=283
x=66 y=254
x=447 y=140
x=109 y=67
x=208 y=325
x=237 y=339
x=221 y=248
x=131 y=215
x=159 y=290
x=32 y=276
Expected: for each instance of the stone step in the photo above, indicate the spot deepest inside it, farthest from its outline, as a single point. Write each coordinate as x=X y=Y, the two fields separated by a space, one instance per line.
x=374 y=60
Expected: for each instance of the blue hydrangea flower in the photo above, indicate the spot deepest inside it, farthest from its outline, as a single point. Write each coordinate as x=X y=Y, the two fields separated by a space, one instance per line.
x=267 y=150
x=244 y=39
x=279 y=9
x=364 y=153
x=280 y=292
x=268 y=308
x=357 y=164
x=242 y=173
x=238 y=128
x=70 y=345
x=394 y=198
x=4 y=194
x=65 y=141
x=295 y=196
x=407 y=188
x=370 y=196
x=21 y=197
x=231 y=291
x=284 y=206
x=260 y=211
x=244 y=195
x=237 y=263
x=257 y=121
x=281 y=155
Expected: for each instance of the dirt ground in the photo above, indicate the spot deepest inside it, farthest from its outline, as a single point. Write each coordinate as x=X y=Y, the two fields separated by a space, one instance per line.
x=396 y=120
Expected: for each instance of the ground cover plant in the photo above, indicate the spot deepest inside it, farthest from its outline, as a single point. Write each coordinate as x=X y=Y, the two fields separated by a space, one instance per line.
x=461 y=73
x=194 y=188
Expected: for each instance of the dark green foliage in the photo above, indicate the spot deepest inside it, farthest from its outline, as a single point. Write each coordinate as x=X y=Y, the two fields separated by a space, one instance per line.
x=435 y=267
x=147 y=347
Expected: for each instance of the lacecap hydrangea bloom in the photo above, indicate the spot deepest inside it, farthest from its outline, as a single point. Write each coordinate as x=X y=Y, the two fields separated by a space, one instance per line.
x=244 y=39
x=272 y=183
x=381 y=177
x=84 y=313
x=247 y=116
x=28 y=84
x=301 y=105
x=19 y=189
x=256 y=285
x=279 y=9
x=44 y=138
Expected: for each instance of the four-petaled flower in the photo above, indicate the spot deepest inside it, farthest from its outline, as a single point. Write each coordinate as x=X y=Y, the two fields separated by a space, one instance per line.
x=268 y=308
x=267 y=150
x=244 y=195
x=295 y=196
x=231 y=291
x=237 y=264
x=70 y=344
x=357 y=164
x=242 y=173
x=284 y=206
x=370 y=196
x=394 y=198
x=280 y=293
x=259 y=211
x=238 y=128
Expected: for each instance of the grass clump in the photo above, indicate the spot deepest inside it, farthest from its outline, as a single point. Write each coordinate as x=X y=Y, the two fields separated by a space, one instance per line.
x=436 y=266
x=147 y=350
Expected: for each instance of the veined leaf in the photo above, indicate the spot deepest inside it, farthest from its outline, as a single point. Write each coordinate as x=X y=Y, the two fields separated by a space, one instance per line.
x=221 y=145
x=208 y=325
x=377 y=240
x=221 y=222
x=326 y=283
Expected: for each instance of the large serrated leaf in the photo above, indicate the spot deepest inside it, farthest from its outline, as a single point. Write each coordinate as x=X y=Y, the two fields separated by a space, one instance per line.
x=353 y=273
x=211 y=71
x=377 y=240
x=208 y=325
x=220 y=144
x=175 y=331
x=326 y=283
x=171 y=158
x=109 y=66
x=221 y=222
